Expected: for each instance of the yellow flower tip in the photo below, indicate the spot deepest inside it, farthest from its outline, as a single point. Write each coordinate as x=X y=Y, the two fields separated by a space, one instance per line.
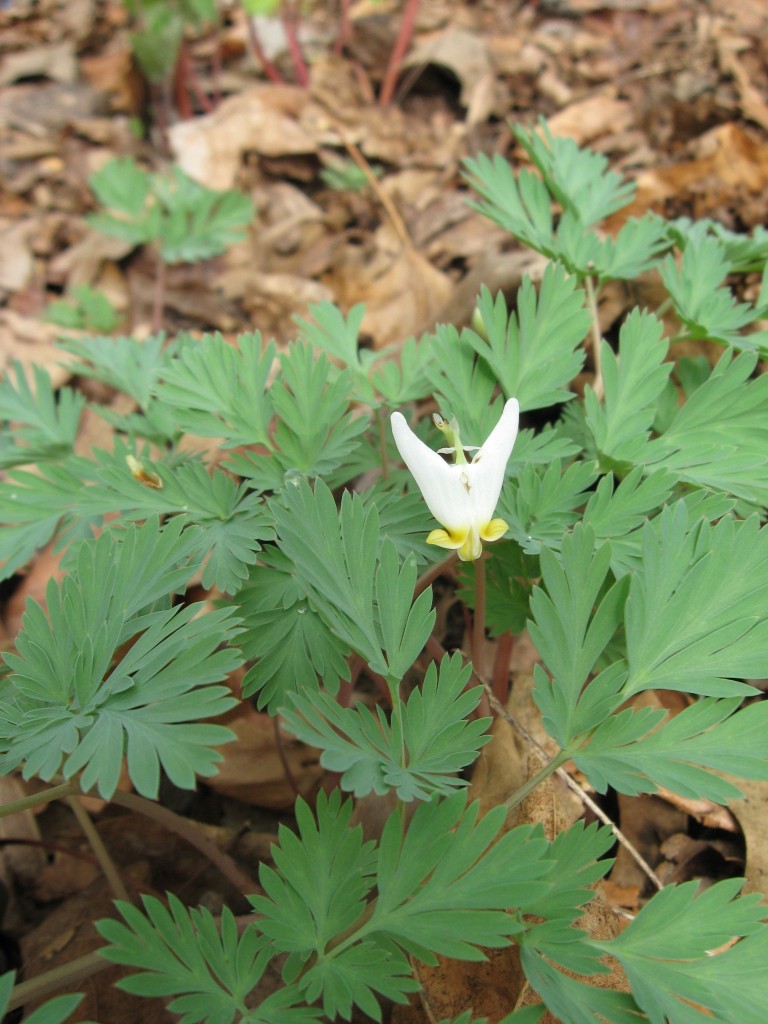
x=471 y=549
x=495 y=529
x=443 y=539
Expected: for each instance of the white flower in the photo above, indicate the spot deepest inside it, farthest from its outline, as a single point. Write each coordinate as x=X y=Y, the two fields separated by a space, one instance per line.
x=462 y=496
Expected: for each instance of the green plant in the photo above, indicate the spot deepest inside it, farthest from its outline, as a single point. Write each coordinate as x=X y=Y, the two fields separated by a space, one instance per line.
x=628 y=535
x=185 y=221
x=84 y=310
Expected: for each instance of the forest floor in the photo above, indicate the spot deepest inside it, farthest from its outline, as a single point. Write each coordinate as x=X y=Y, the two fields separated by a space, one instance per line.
x=673 y=92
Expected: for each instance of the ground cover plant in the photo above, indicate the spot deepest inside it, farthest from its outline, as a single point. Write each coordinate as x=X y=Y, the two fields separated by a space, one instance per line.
x=621 y=526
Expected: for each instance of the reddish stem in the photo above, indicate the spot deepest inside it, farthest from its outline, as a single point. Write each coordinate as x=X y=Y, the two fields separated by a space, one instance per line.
x=269 y=68
x=290 y=24
x=500 y=677
x=345 y=28
x=398 y=52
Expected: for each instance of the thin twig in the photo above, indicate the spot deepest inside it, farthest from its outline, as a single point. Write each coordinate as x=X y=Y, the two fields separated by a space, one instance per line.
x=397 y=221
x=597 y=338
x=100 y=851
x=585 y=798
x=71 y=973
x=193 y=835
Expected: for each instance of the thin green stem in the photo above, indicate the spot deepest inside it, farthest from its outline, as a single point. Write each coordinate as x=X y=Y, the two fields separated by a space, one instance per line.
x=100 y=851
x=393 y=685
x=158 y=300
x=597 y=338
x=382 y=430
x=27 y=803
x=549 y=769
x=69 y=974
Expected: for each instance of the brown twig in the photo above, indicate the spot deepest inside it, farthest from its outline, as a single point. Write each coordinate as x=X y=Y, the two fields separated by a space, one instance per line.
x=193 y=835
x=398 y=52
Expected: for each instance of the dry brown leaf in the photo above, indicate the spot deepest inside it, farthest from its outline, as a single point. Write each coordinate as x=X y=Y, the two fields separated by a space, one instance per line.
x=16 y=258
x=56 y=62
x=31 y=342
x=750 y=812
x=261 y=120
x=403 y=293
x=584 y=120
x=467 y=55
x=252 y=770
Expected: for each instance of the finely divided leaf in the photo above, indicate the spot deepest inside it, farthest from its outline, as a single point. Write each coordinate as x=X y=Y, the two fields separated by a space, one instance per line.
x=438 y=741
x=575 y=615
x=535 y=354
x=669 y=952
x=633 y=383
x=75 y=707
x=697 y=612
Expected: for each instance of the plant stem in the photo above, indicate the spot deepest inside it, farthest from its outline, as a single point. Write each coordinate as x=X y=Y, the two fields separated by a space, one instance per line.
x=597 y=338
x=549 y=769
x=158 y=301
x=398 y=52
x=258 y=51
x=397 y=714
x=100 y=851
x=382 y=429
x=290 y=24
x=193 y=835
x=345 y=28
x=478 y=622
x=52 y=981
x=26 y=803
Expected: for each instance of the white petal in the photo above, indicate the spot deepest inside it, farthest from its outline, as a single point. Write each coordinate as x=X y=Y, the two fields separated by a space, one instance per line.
x=444 y=491
x=488 y=467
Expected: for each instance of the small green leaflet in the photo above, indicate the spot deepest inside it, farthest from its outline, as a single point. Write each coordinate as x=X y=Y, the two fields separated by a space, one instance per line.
x=535 y=354
x=575 y=615
x=669 y=954
x=705 y=306
x=189 y=221
x=418 y=761
x=208 y=969
x=219 y=390
x=54 y=1011
x=365 y=597
x=719 y=438
x=45 y=423
x=633 y=753
x=316 y=892
x=74 y=709
x=697 y=612
x=283 y=633
x=440 y=886
x=314 y=432
x=541 y=505
x=578 y=178
x=633 y=382
x=574 y=1000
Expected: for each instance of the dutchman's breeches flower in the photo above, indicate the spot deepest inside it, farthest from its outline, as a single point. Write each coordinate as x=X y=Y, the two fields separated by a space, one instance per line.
x=462 y=496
